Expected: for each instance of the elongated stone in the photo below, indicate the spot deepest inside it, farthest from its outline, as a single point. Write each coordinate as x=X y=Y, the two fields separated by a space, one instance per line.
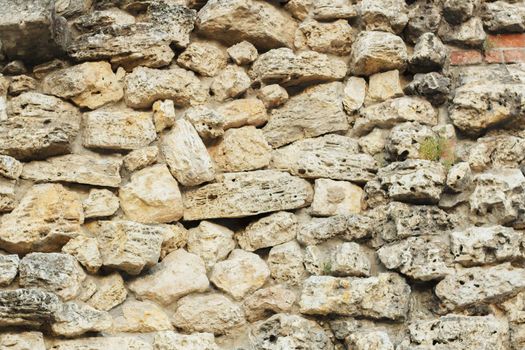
x=28 y=307
x=102 y=343
x=246 y=194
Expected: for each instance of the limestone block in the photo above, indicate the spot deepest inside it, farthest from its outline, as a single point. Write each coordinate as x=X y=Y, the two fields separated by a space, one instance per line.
x=354 y=94
x=348 y=227
x=384 y=86
x=203 y=58
x=168 y=340
x=30 y=307
x=76 y=318
x=20 y=84
x=349 y=259
x=100 y=203
x=102 y=343
x=110 y=292
x=268 y=301
x=496 y=151
x=243 y=53
x=174 y=238
x=469 y=33
x=163 y=114
x=230 y=82
x=241 y=112
x=456 y=12
x=326 y=37
x=429 y=54
x=286 y=263
x=336 y=198
x=141 y=158
x=327 y=10
x=459 y=177
x=211 y=242
x=376 y=340
x=85 y=250
x=8 y=268
x=273 y=95
x=208 y=122
x=502 y=17
x=10 y=167
x=433 y=86
x=425 y=17
x=384 y=15
x=404 y=141
x=269 y=231
x=141 y=317
x=22 y=341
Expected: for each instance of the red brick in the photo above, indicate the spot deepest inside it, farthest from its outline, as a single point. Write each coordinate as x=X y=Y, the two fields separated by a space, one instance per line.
x=514 y=55
x=506 y=40
x=494 y=56
x=465 y=57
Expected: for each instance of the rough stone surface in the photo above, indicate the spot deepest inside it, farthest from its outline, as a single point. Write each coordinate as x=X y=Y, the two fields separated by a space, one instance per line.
x=85 y=250
x=174 y=341
x=28 y=307
x=100 y=203
x=23 y=341
x=331 y=38
x=269 y=231
x=8 y=268
x=384 y=15
x=211 y=242
x=243 y=53
x=241 y=112
x=142 y=317
x=231 y=82
x=336 y=198
x=268 y=301
x=76 y=318
x=202 y=58
x=286 y=263
x=110 y=292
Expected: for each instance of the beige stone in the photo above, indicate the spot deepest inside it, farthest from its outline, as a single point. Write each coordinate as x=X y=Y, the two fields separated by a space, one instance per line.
x=100 y=203
x=163 y=114
x=186 y=155
x=102 y=343
x=286 y=263
x=8 y=268
x=326 y=37
x=141 y=158
x=211 y=242
x=168 y=340
x=383 y=86
x=267 y=301
x=90 y=84
x=336 y=198
x=22 y=341
x=152 y=196
x=269 y=231
x=231 y=82
x=141 y=317
x=327 y=10
x=203 y=58
x=243 y=53
x=110 y=292
x=20 y=84
x=384 y=15
x=77 y=318
x=273 y=95
x=174 y=238
x=354 y=94
x=241 y=112
x=208 y=122
x=10 y=167
x=85 y=250
x=241 y=149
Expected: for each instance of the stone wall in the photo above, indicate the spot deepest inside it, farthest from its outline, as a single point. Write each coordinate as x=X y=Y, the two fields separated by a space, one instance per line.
x=266 y=175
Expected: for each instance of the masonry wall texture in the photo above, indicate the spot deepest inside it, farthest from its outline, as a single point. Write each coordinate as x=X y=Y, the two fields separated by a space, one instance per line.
x=262 y=175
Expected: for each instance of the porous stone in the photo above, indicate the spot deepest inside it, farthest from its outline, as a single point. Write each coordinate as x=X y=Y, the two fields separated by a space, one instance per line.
x=10 y=167
x=241 y=149
x=349 y=259
x=186 y=155
x=76 y=318
x=180 y=273
x=127 y=245
x=241 y=112
x=500 y=150
x=203 y=58
x=268 y=301
x=102 y=343
x=273 y=95
x=424 y=17
x=404 y=140
x=28 y=307
x=45 y=219
x=429 y=54
x=260 y=23
x=152 y=196
x=435 y=87
x=457 y=11
x=325 y=37
x=459 y=177
x=110 y=292
x=374 y=52
x=146 y=85
x=286 y=263
x=327 y=10
x=331 y=156
x=141 y=158
x=283 y=66
x=373 y=339
x=163 y=114
x=385 y=296
x=231 y=82
x=83 y=169
x=336 y=198
x=208 y=122
x=503 y=17
x=33 y=104
x=174 y=238
x=55 y=272
x=384 y=86
x=141 y=317
x=384 y=15
x=211 y=242
x=269 y=231
x=100 y=203
x=243 y=53
x=20 y=84
x=245 y=194
x=211 y=313
x=354 y=94
x=348 y=227
x=22 y=341
x=168 y=340
x=242 y=273
x=469 y=33
x=8 y=269
x=85 y=250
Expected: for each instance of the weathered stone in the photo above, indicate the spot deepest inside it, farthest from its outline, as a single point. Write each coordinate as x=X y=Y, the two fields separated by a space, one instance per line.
x=245 y=194
x=174 y=238
x=425 y=17
x=327 y=10
x=260 y=23
x=102 y=343
x=22 y=341
x=387 y=114
x=469 y=33
x=500 y=150
x=268 y=301
x=405 y=140
x=55 y=272
x=432 y=86
x=376 y=340
x=384 y=86
x=241 y=112
x=100 y=203
x=186 y=155
x=180 y=273
x=174 y=341
x=213 y=313
x=241 y=149
x=211 y=242
x=85 y=250
x=146 y=85
x=20 y=84
x=8 y=269
x=83 y=169
x=141 y=158
x=142 y=317
x=300 y=9
x=460 y=332
x=90 y=84
x=418 y=181
x=423 y=258
x=15 y=67
x=127 y=245
x=348 y=227
x=486 y=245
x=336 y=198
x=286 y=263
x=349 y=259
x=459 y=177
x=374 y=52
x=269 y=231
x=328 y=37
x=283 y=331
x=28 y=307
x=152 y=196
x=330 y=156
x=231 y=82
x=10 y=167
x=273 y=95
x=208 y=123
x=47 y=217
x=283 y=66
x=242 y=273
x=478 y=285
x=203 y=58
x=76 y=318
x=243 y=53
x=458 y=11
x=429 y=54
x=314 y=112
x=383 y=297
x=110 y=292
x=354 y=94
x=502 y=17
x=33 y=104
x=384 y=15
x=163 y=114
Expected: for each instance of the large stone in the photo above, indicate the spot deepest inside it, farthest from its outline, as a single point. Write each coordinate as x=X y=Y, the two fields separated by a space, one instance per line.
x=316 y=111
x=180 y=273
x=85 y=250
x=242 y=273
x=127 y=245
x=243 y=53
x=349 y=259
x=348 y=227
x=208 y=122
x=327 y=10
x=141 y=317
x=174 y=341
x=90 y=84
x=354 y=94
x=28 y=307
x=55 y=272
x=212 y=313
x=269 y=231
x=102 y=343
x=469 y=33
x=287 y=331
x=163 y=114
x=328 y=37
x=146 y=85
x=33 y=104
x=384 y=15
x=246 y=194
x=211 y=242
x=502 y=17
x=231 y=82
x=273 y=95
x=500 y=150
x=374 y=52
x=22 y=341
x=458 y=11
x=258 y=22
x=429 y=54
x=405 y=141
x=433 y=86
x=152 y=196
x=385 y=296
x=330 y=156
x=241 y=112
x=387 y=114
x=110 y=292
x=370 y=339
x=283 y=66
x=100 y=203
x=141 y=158
x=203 y=58
x=8 y=268
x=44 y=220
x=186 y=155
x=286 y=263
x=83 y=169
x=384 y=86
x=76 y=318
x=268 y=301
x=425 y=17
x=122 y=129
x=336 y=198
x=479 y=285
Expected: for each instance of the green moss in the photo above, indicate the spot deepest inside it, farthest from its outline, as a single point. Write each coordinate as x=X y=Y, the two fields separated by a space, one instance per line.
x=437 y=149
x=327 y=268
